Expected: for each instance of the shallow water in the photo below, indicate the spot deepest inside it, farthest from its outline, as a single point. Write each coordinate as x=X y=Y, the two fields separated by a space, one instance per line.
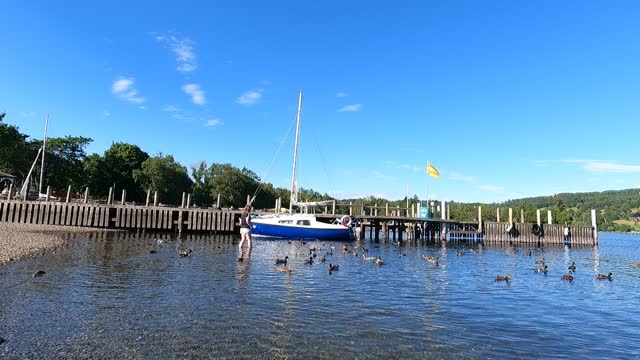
x=107 y=296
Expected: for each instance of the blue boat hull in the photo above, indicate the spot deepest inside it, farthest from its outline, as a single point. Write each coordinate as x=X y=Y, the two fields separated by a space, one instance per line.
x=297 y=232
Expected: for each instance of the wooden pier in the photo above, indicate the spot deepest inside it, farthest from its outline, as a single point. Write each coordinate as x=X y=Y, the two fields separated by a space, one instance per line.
x=129 y=217
x=213 y=220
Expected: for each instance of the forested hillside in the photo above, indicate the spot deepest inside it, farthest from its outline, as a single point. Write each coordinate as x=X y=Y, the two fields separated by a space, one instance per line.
x=616 y=210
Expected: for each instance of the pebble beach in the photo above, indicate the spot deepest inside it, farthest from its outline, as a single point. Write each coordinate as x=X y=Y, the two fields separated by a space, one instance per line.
x=18 y=241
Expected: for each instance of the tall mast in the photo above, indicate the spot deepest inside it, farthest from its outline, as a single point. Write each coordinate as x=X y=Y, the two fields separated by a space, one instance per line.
x=294 y=191
x=44 y=147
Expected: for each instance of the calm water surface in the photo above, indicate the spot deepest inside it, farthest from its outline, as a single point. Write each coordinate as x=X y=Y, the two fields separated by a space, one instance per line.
x=107 y=296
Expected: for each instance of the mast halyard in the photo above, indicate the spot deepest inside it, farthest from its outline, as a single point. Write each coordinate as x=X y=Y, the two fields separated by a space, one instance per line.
x=294 y=190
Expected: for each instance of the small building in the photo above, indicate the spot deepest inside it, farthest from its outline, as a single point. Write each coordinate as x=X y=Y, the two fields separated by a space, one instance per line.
x=6 y=180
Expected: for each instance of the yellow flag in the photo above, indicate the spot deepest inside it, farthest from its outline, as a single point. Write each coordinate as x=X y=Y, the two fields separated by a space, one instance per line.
x=432 y=171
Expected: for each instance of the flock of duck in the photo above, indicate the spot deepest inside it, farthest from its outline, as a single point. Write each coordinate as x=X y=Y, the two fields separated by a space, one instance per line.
x=313 y=257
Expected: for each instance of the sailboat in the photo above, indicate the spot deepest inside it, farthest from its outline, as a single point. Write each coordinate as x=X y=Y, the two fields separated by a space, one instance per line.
x=300 y=225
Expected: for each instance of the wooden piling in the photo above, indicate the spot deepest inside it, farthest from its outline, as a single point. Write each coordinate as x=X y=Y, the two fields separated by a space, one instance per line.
x=155 y=198
x=549 y=218
x=86 y=195
x=48 y=193
x=68 y=194
x=109 y=196
x=146 y=203
x=124 y=197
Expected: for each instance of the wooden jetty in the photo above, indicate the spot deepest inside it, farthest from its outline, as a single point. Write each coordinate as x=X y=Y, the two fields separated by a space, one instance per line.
x=397 y=224
x=131 y=217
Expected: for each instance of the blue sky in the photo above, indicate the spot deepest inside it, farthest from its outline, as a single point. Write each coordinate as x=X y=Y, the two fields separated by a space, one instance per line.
x=507 y=99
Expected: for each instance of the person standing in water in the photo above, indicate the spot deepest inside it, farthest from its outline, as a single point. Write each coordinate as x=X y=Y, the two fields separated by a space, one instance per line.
x=245 y=229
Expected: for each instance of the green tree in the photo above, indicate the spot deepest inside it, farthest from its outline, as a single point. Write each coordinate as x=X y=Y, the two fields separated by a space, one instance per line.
x=64 y=162
x=165 y=175
x=16 y=152
x=120 y=161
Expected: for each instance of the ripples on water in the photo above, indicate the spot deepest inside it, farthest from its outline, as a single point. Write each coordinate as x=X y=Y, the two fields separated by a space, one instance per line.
x=107 y=296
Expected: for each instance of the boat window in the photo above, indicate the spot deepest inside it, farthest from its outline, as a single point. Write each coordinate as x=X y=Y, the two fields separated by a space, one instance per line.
x=304 y=222
x=285 y=222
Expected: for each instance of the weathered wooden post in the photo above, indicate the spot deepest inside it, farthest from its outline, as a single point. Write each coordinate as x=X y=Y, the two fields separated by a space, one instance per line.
x=594 y=226
x=188 y=200
x=522 y=216
x=538 y=217
x=350 y=208
x=146 y=203
x=386 y=209
x=218 y=203
x=10 y=195
x=398 y=210
x=510 y=216
x=326 y=210
x=549 y=218
x=448 y=213
x=480 y=219
x=248 y=199
x=498 y=214
x=155 y=198
x=68 y=194
x=109 y=197
x=124 y=197
x=333 y=211
x=86 y=194
x=48 y=193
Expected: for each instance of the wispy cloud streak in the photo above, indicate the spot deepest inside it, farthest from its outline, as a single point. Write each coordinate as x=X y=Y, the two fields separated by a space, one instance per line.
x=350 y=108
x=124 y=89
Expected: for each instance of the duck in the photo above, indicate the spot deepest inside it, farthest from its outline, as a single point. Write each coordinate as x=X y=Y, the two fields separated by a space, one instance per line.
x=460 y=253
x=506 y=277
x=368 y=258
x=355 y=254
x=330 y=253
x=309 y=261
x=38 y=273
x=285 y=269
x=540 y=261
x=185 y=252
x=635 y=265
x=333 y=267
x=604 y=277
x=572 y=267
x=282 y=261
x=153 y=251
x=544 y=269
x=529 y=253
x=379 y=261
x=568 y=276
x=323 y=259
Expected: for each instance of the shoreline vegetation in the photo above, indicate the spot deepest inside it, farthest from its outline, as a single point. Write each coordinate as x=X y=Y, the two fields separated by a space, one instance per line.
x=22 y=241
x=127 y=167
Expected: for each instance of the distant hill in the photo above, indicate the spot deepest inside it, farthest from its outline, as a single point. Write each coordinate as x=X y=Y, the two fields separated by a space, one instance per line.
x=617 y=210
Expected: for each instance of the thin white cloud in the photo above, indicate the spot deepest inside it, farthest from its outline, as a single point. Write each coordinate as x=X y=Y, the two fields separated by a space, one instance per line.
x=170 y=108
x=461 y=177
x=125 y=90
x=381 y=176
x=213 y=122
x=197 y=95
x=350 y=108
x=598 y=166
x=183 y=50
x=341 y=94
x=491 y=188
x=250 y=97
x=28 y=114
x=608 y=167
x=106 y=113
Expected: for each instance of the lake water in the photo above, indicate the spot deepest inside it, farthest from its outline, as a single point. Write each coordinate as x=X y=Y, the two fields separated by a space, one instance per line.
x=107 y=296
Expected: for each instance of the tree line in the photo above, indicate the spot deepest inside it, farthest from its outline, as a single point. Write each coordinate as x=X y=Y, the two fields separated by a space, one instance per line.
x=128 y=167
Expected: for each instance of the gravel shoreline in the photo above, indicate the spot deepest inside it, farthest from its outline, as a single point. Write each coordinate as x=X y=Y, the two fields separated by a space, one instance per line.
x=19 y=241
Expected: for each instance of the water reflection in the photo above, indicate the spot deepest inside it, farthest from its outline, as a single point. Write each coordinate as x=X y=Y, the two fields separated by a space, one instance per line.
x=108 y=295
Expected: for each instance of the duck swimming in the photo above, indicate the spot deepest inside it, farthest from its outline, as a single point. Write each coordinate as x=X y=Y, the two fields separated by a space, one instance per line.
x=604 y=277
x=568 y=277
x=38 y=273
x=185 y=253
x=282 y=261
x=544 y=270
x=572 y=267
x=506 y=277
x=379 y=261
